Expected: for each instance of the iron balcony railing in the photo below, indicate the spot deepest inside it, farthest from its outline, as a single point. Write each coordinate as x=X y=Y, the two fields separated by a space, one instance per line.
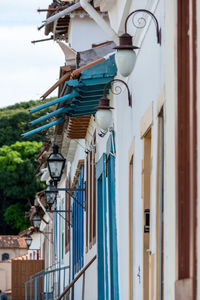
x=46 y=284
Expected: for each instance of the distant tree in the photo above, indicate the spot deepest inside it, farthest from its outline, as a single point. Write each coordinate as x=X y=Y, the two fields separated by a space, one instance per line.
x=18 y=183
x=15 y=119
x=14 y=216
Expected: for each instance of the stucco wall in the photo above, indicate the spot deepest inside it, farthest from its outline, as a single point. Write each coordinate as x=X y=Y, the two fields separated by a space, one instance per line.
x=170 y=98
x=12 y=252
x=146 y=83
x=5 y=276
x=85 y=32
x=154 y=72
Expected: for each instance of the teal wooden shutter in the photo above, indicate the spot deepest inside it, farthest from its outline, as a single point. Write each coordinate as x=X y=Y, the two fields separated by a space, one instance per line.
x=102 y=252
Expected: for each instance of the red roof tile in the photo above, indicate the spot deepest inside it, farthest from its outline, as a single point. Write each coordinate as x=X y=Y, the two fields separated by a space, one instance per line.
x=12 y=241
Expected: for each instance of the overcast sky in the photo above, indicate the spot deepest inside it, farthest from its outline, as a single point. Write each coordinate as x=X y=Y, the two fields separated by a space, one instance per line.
x=26 y=70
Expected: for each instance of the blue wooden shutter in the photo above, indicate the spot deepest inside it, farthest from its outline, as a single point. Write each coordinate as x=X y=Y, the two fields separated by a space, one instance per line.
x=78 y=225
x=102 y=263
x=114 y=285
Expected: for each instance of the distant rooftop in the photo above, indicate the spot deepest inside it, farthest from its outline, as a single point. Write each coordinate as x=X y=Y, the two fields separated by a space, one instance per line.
x=12 y=241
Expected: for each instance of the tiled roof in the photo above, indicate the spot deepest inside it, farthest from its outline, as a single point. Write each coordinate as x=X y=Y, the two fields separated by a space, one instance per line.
x=12 y=241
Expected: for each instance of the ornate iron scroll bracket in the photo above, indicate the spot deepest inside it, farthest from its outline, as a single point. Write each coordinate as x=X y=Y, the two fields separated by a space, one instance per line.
x=117 y=90
x=142 y=22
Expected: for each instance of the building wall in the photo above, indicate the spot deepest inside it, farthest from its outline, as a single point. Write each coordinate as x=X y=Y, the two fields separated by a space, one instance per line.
x=5 y=276
x=170 y=99
x=146 y=84
x=12 y=252
x=153 y=76
x=84 y=32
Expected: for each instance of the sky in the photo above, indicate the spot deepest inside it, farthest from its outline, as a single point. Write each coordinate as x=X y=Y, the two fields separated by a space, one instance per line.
x=26 y=70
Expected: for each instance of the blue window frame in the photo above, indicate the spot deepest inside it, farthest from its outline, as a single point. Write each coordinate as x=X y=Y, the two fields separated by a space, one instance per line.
x=78 y=225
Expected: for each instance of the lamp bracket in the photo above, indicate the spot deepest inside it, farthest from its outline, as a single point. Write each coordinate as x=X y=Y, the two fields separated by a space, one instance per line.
x=68 y=211
x=141 y=22
x=117 y=89
x=68 y=222
x=75 y=199
x=70 y=189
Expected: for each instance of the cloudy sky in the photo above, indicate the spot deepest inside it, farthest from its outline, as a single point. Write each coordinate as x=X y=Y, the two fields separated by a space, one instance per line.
x=26 y=70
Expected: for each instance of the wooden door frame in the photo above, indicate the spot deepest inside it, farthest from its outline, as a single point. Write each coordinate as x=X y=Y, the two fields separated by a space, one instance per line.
x=186 y=151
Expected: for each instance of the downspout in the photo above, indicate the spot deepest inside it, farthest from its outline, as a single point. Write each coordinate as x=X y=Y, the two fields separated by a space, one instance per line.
x=99 y=20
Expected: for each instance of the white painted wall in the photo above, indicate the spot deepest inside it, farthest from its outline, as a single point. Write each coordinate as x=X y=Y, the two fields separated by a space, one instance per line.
x=170 y=96
x=154 y=71
x=146 y=83
x=36 y=244
x=83 y=32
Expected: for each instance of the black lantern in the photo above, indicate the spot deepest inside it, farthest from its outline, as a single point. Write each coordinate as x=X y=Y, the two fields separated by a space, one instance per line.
x=36 y=221
x=28 y=240
x=55 y=164
x=50 y=194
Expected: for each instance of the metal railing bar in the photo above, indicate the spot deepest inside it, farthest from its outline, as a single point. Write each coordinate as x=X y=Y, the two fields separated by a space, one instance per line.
x=76 y=278
x=46 y=277
x=38 y=287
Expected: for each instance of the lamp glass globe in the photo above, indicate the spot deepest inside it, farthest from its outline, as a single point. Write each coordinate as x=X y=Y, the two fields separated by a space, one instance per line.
x=103 y=118
x=125 y=61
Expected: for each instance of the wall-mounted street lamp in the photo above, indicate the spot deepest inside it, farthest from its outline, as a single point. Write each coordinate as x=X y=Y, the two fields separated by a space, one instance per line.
x=55 y=164
x=103 y=116
x=126 y=56
x=51 y=194
x=36 y=222
x=28 y=241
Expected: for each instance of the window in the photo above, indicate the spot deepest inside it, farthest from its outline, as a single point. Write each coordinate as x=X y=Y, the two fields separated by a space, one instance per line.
x=91 y=197
x=5 y=256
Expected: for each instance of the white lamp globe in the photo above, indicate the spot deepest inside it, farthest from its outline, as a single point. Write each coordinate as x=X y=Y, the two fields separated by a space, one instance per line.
x=125 y=61
x=103 y=118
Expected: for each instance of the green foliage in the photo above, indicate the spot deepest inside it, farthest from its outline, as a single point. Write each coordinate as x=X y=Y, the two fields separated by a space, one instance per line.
x=18 y=183
x=14 y=216
x=14 y=120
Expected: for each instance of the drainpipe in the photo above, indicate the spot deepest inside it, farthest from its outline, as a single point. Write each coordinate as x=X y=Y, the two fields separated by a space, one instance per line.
x=99 y=20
